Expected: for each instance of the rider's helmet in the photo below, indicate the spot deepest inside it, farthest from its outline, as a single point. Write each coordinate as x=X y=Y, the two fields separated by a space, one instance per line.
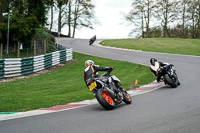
x=153 y=60
x=89 y=62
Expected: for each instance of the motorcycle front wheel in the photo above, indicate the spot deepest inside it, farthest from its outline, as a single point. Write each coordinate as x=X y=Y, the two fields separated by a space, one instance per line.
x=126 y=97
x=105 y=99
x=90 y=42
x=169 y=81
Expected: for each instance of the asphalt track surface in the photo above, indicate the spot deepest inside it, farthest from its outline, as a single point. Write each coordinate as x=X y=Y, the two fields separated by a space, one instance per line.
x=165 y=110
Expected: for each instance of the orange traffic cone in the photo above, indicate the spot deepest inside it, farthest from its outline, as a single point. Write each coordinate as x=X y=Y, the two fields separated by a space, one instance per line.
x=136 y=82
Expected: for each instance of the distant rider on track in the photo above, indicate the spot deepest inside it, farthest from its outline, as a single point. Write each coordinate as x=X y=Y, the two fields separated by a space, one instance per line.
x=92 y=40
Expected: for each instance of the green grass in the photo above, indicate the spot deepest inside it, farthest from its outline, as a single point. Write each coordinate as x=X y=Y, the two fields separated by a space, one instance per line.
x=163 y=45
x=64 y=85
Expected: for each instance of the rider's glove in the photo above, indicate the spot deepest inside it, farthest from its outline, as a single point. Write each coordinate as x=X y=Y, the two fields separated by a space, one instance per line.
x=159 y=70
x=111 y=68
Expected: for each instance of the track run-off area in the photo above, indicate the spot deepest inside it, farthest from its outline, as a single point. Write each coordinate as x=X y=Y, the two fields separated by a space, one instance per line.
x=164 y=110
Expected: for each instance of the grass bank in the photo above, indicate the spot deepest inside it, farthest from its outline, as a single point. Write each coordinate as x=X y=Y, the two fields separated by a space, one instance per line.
x=163 y=45
x=64 y=85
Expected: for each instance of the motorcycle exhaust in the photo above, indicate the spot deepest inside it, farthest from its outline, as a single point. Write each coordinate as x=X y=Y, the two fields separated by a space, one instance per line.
x=111 y=92
x=113 y=95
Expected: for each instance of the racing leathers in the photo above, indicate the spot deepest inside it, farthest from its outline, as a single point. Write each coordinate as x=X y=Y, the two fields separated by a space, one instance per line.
x=155 y=68
x=93 y=38
x=92 y=72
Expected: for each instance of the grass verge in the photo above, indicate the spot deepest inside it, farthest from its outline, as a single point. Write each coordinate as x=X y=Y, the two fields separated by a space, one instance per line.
x=64 y=85
x=163 y=45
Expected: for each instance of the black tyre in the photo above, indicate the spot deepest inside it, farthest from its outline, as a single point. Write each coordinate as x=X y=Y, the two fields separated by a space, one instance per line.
x=126 y=97
x=170 y=81
x=105 y=99
x=90 y=42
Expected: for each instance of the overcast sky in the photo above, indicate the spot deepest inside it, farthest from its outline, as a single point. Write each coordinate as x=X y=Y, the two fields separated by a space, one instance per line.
x=112 y=24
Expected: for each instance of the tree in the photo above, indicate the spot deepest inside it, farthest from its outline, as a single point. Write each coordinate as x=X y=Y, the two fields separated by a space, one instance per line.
x=24 y=20
x=61 y=10
x=149 y=7
x=193 y=16
x=75 y=14
x=37 y=8
x=178 y=18
x=25 y=17
x=3 y=9
x=198 y=12
x=50 y=4
x=136 y=17
x=166 y=12
x=69 y=17
x=183 y=8
x=83 y=15
x=140 y=16
x=156 y=31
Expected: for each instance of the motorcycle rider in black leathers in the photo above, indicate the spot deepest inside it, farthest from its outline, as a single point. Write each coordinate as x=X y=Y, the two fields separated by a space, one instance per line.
x=91 y=71
x=92 y=39
x=155 y=66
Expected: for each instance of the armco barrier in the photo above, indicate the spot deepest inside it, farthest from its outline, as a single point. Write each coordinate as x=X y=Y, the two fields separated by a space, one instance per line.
x=22 y=66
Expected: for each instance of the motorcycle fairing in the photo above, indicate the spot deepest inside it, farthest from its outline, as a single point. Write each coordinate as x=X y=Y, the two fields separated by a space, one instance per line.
x=115 y=78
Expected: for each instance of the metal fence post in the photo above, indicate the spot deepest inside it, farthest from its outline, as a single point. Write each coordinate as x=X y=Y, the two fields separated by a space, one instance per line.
x=1 y=68
x=45 y=46
x=1 y=51
x=34 y=43
x=18 y=49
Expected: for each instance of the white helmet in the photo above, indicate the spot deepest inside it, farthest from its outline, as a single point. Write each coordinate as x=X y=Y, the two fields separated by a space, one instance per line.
x=89 y=62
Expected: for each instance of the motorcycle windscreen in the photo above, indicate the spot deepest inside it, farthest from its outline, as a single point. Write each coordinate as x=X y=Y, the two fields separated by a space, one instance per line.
x=115 y=78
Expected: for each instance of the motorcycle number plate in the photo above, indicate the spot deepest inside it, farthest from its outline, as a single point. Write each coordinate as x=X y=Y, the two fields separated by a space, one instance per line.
x=93 y=85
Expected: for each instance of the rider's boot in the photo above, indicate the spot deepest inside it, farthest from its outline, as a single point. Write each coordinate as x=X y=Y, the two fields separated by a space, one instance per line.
x=179 y=83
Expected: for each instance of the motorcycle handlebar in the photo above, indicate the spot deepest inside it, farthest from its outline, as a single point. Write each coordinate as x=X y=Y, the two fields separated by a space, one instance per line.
x=109 y=71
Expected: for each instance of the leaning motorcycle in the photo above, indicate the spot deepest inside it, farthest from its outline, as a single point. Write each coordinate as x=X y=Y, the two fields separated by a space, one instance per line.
x=104 y=92
x=169 y=75
x=91 y=41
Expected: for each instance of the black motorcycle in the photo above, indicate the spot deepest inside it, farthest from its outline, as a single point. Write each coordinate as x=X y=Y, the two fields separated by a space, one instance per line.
x=169 y=76
x=91 y=41
x=104 y=89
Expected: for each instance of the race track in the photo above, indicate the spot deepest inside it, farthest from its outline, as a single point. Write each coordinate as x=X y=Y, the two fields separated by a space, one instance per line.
x=165 y=110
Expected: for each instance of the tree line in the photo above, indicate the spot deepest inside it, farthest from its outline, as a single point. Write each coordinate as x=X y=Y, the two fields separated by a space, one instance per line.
x=73 y=13
x=165 y=18
x=32 y=19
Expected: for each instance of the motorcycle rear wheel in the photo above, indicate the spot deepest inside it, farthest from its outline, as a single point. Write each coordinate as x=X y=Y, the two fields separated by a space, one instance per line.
x=169 y=81
x=105 y=99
